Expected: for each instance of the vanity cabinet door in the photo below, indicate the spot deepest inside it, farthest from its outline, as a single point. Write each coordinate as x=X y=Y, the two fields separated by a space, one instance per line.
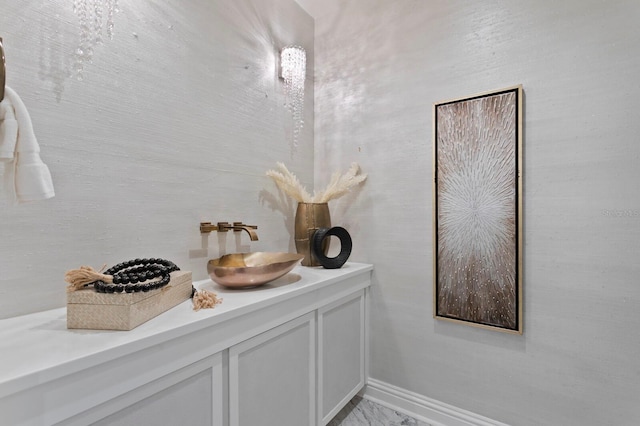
x=272 y=376
x=192 y=396
x=341 y=354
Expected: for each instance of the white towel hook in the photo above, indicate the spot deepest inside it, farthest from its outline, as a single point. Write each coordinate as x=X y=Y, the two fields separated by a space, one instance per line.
x=3 y=71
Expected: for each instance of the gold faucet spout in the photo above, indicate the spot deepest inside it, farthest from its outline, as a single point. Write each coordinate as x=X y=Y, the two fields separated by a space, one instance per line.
x=239 y=226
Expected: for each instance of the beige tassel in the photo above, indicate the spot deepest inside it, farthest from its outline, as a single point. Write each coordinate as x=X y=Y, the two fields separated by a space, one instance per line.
x=78 y=278
x=203 y=299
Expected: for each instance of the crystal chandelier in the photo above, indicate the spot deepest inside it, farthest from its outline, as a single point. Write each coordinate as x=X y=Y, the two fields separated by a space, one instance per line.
x=293 y=69
x=91 y=14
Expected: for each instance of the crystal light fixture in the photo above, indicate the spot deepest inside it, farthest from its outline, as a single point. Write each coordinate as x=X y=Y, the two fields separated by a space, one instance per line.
x=293 y=68
x=91 y=14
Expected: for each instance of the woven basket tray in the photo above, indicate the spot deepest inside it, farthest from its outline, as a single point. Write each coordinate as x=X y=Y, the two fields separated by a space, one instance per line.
x=89 y=309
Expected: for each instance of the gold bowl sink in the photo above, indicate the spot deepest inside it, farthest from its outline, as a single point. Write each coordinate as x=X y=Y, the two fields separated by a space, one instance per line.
x=241 y=270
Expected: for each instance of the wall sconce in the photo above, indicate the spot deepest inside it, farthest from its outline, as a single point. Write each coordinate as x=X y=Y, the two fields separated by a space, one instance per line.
x=293 y=69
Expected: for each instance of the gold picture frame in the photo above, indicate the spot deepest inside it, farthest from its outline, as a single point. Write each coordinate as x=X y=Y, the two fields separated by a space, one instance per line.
x=477 y=210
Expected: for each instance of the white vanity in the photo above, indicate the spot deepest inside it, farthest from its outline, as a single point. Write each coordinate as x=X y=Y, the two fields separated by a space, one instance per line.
x=290 y=353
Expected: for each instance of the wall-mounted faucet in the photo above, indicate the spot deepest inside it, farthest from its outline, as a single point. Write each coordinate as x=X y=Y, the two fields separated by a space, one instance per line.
x=206 y=227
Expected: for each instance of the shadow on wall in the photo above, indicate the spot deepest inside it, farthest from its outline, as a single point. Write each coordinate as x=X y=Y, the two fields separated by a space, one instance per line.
x=284 y=204
x=482 y=336
x=388 y=346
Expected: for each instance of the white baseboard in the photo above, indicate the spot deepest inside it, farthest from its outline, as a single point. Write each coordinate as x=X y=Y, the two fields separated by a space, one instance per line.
x=422 y=408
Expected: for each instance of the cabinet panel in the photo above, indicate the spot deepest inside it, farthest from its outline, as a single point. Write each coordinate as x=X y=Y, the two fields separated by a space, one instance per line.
x=272 y=377
x=341 y=341
x=192 y=395
x=187 y=401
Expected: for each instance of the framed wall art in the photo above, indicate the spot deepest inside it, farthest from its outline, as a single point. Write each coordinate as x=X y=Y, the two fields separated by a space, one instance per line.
x=477 y=210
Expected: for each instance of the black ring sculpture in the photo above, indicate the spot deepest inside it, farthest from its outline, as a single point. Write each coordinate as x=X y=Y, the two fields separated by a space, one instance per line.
x=345 y=247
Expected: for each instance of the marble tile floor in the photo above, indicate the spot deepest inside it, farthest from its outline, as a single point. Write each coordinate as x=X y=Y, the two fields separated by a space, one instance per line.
x=362 y=412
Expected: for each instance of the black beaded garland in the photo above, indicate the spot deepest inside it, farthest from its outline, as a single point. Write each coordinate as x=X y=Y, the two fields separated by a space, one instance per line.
x=133 y=276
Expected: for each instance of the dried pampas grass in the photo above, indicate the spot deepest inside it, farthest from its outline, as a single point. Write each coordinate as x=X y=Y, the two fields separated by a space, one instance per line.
x=290 y=184
x=338 y=186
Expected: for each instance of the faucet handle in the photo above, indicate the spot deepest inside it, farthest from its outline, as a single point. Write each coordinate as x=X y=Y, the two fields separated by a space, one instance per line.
x=205 y=227
x=224 y=226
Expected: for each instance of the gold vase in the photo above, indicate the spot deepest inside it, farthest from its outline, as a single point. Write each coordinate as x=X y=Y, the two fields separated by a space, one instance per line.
x=309 y=218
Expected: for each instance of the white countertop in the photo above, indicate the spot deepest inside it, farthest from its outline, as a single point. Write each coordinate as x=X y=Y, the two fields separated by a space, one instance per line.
x=37 y=348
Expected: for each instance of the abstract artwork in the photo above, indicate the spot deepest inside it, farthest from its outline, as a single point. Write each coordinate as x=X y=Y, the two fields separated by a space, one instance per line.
x=477 y=210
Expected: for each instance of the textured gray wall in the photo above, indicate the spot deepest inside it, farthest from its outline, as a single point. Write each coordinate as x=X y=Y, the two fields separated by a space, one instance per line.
x=176 y=121
x=380 y=66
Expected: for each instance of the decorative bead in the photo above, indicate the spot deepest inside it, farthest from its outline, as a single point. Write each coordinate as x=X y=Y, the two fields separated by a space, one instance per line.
x=136 y=275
